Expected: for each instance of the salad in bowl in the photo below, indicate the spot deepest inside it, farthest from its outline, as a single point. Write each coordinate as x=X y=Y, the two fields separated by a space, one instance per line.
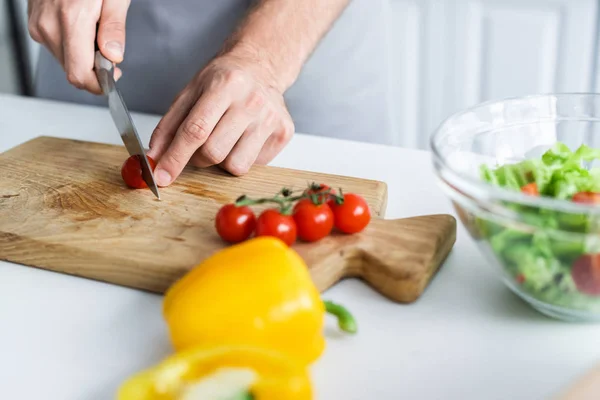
x=524 y=177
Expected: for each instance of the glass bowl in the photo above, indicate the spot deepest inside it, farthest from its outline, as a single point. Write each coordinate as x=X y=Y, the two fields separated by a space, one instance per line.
x=545 y=249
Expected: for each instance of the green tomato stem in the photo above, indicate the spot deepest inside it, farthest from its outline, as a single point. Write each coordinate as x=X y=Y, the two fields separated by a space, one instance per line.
x=338 y=198
x=285 y=204
x=346 y=320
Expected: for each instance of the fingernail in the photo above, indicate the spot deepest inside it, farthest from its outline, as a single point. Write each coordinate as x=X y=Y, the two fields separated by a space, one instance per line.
x=115 y=48
x=163 y=178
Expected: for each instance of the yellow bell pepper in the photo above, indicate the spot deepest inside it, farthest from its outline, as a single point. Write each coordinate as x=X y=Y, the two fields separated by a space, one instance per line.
x=256 y=293
x=221 y=373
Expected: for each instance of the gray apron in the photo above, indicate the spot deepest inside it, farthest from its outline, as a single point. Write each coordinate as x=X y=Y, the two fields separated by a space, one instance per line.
x=341 y=92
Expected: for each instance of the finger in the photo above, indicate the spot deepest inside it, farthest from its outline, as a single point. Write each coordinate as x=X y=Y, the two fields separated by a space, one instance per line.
x=47 y=32
x=220 y=142
x=191 y=134
x=79 y=32
x=111 y=30
x=165 y=131
x=276 y=142
x=246 y=150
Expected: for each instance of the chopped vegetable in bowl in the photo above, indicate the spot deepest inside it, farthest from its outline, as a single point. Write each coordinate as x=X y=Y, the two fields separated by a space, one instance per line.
x=559 y=173
x=557 y=260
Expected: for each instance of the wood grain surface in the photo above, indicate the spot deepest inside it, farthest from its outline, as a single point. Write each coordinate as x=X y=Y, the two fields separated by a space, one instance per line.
x=65 y=208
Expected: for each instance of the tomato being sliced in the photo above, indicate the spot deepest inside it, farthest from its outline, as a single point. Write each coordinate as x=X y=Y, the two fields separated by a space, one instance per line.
x=586 y=274
x=272 y=223
x=235 y=224
x=587 y=198
x=530 y=189
x=313 y=221
x=131 y=172
x=353 y=215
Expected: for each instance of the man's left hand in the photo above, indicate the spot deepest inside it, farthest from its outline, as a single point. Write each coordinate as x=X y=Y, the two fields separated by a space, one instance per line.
x=231 y=114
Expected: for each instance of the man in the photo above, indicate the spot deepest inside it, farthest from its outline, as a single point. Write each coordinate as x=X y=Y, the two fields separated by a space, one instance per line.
x=233 y=78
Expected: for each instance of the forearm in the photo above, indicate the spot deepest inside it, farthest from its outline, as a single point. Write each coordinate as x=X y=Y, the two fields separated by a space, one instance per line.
x=282 y=34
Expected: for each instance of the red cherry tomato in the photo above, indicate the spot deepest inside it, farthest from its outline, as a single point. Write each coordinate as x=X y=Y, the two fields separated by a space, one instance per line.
x=317 y=188
x=353 y=215
x=272 y=223
x=530 y=189
x=131 y=171
x=325 y=192
x=235 y=224
x=586 y=274
x=587 y=198
x=313 y=221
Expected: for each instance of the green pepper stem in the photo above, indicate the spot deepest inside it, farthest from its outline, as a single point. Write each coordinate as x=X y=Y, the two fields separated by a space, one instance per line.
x=346 y=320
x=242 y=396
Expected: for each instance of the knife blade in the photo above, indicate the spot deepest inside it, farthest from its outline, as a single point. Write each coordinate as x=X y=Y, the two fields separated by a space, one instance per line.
x=121 y=117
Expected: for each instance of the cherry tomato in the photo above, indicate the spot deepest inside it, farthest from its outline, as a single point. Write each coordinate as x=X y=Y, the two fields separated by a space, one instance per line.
x=587 y=198
x=235 y=224
x=313 y=221
x=353 y=215
x=272 y=223
x=530 y=189
x=321 y=189
x=586 y=274
x=317 y=187
x=131 y=171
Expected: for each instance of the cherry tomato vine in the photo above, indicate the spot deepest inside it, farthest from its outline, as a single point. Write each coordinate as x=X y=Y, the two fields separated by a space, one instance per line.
x=309 y=215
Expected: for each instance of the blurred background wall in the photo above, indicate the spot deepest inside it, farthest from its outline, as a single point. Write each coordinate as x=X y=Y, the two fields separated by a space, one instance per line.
x=443 y=55
x=18 y=53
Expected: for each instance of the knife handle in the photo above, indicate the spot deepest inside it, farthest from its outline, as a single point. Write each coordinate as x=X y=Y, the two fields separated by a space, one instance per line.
x=96 y=48
x=101 y=62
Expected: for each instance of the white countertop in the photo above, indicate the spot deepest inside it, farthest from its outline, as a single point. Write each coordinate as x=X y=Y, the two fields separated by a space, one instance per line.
x=468 y=337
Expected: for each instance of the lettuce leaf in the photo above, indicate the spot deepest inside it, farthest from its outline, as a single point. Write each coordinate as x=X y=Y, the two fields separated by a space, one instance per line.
x=559 y=173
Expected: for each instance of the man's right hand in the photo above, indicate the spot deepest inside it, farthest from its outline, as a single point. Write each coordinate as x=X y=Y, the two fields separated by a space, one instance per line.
x=68 y=29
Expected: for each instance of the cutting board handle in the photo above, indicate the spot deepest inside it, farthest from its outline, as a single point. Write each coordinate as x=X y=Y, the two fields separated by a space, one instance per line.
x=396 y=257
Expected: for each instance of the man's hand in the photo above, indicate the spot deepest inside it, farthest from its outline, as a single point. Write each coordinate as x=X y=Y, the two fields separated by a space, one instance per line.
x=230 y=114
x=233 y=113
x=68 y=29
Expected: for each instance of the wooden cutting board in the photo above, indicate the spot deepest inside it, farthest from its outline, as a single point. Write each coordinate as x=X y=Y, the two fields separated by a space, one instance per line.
x=65 y=208
x=586 y=387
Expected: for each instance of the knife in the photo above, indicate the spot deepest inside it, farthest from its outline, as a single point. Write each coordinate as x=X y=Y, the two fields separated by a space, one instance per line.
x=121 y=117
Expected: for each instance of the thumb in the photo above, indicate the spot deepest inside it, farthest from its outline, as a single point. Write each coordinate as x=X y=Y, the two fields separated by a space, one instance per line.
x=111 y=30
